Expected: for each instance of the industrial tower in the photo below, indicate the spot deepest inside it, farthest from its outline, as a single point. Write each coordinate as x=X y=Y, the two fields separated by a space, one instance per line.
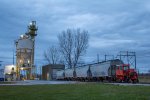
x=25 y=53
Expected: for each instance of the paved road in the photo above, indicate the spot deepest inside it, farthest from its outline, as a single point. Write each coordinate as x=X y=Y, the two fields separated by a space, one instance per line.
x=129 y=84
x=38 y=82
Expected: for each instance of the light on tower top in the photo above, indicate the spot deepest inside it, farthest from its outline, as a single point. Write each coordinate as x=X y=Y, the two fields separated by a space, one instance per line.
x=32 y=29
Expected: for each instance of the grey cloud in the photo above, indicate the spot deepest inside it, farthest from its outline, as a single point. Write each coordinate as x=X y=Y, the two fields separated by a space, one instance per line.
x=113 y=26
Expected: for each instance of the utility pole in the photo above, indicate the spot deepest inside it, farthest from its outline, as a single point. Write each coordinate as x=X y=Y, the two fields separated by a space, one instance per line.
x=97 y=58
x=109 y=56
x=1 y=63
x=13 y=57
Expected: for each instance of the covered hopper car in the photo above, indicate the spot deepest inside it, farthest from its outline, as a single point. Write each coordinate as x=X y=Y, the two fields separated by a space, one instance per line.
x=112 y=70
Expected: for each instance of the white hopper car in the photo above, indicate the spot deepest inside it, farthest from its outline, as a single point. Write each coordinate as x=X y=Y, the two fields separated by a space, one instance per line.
x=96 y=71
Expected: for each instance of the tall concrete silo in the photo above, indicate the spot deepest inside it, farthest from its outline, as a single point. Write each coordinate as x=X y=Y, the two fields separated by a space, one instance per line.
x=25 y=52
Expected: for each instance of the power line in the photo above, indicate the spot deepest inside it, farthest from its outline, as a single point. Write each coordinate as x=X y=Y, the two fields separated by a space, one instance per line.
x=12 y=58
x=128 y=56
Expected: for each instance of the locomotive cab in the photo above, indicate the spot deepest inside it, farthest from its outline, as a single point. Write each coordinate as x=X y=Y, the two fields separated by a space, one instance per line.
x=125 y=74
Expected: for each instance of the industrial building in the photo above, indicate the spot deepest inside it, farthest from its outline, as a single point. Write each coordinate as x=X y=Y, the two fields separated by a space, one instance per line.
x=25 y=68
x=49 y=71
x=10 y=72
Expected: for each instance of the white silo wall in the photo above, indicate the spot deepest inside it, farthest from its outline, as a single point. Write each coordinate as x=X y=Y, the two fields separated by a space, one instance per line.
x=25 y=43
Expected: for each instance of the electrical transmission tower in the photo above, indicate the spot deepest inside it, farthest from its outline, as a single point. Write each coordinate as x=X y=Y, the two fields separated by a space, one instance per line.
x=128 y=57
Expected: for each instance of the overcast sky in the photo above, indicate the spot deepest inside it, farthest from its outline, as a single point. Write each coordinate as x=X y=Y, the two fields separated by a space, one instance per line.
x=113 y=25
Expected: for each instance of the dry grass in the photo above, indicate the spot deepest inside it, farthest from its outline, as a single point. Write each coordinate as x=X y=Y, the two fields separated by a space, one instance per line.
x=144 y=79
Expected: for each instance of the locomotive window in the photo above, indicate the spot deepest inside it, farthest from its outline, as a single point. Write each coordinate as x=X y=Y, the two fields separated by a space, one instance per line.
x=125 y=67
x=121 y=68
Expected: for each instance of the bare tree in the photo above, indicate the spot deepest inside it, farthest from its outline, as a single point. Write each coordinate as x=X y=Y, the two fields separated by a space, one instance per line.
x=73 y=45
x=52 y=55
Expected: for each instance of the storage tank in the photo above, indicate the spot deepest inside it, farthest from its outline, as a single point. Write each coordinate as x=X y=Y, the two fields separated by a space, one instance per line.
x=25 y=44
x=10 y=73
x=24 y=51
x=9 y=69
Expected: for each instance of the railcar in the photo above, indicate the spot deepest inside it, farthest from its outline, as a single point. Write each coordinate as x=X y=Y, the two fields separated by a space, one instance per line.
x=112 y=70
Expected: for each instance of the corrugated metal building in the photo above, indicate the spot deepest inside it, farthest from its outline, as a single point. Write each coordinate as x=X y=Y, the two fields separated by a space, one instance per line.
x=49 y=71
